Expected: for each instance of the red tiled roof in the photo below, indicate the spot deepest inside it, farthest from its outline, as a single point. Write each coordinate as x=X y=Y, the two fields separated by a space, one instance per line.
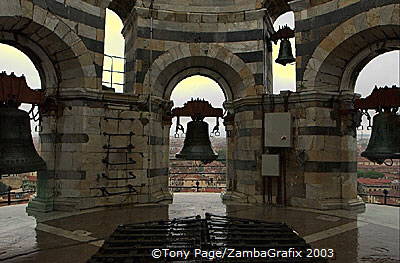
x=32 y=178
x=370 y=181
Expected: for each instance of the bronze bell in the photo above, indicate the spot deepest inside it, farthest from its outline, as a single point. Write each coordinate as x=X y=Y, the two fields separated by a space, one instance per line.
x=384 y=142
x=197 y=145
x=285 y=55
x=17 y=152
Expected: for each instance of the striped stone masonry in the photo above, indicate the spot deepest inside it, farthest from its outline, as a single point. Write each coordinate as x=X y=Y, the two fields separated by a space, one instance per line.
x=169 y=40
x=157 y=32
x=330 y=33
x=66 y=38
x=321 y=164
x=82 y=156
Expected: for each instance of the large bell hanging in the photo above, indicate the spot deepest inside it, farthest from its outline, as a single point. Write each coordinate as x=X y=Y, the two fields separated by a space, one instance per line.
x=285 y=55
x=17 y=153
x=197 y=145
x=384 y=142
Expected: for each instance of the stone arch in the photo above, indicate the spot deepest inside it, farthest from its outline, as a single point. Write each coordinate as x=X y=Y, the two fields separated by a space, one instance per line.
x=338 y=59
x=41 y=61
x=276 y=8
x=55 y=49
x=358 y=62
x=202 y=72
x=229 y=71
x=121 y=7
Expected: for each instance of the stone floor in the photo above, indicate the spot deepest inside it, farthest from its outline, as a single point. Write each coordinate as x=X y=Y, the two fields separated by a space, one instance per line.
x=371 y=236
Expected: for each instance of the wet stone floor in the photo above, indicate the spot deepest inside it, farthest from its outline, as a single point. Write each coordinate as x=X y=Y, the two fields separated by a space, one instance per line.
x=370 y=236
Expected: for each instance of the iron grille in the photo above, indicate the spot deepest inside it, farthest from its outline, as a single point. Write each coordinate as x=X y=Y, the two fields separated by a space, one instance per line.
x=135 y=242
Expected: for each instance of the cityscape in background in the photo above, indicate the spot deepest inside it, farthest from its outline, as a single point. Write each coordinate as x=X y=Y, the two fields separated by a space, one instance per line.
x=374 y=181
x=194 y=176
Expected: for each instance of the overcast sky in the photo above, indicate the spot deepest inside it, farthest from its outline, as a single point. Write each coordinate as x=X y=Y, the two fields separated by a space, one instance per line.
x=383 y=70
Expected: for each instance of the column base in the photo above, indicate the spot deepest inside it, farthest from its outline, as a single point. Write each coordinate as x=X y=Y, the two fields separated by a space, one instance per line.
x=40 y=205
x=233 y=197
x=329 y=204
x=164 y=198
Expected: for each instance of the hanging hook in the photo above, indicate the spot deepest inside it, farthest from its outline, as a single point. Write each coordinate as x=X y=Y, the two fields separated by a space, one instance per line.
x=369 y=127
x=215 y=130
x=179 y=127
x=388 y=164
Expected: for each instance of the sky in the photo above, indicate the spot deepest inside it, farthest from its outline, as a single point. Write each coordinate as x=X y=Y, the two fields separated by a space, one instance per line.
x=383 y=70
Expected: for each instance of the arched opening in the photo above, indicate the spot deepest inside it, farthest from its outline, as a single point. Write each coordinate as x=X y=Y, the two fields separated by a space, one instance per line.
x=114 y=49
x=215 y=61
x=373 y=179
x=337 y=68
x=382 y=70
x=194 y=176
x=284 y=77
x=64 y=63
x=23 y=185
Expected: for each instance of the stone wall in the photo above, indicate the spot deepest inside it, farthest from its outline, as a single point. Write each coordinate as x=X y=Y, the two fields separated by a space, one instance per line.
x=85 y=144
x=318 y=171
x=336 y=39
x=105 y=152
x=150 y=31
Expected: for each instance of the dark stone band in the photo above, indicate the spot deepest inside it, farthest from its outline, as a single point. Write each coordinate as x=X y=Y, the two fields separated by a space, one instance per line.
x=318 y=130
x=204 y=37
x=249 y=132
x=93 y=45
x=250 y=57
x=340 y=15
x=154 y=140
x=249 y=165
x=65 y=175
x=64 y=138
x=71 y=13
x=330 y=167
x=157 y=172
x=259 y=78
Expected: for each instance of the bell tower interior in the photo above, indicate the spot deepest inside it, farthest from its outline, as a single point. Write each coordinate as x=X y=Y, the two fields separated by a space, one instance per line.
x=27 y=155
x=192 y=175
x=145 y=110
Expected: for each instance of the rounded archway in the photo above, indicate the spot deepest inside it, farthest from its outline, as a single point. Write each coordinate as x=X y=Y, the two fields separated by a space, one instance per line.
x=58 y=53
x=15 y=61
x=65 y=65
x=202 y=87
x=114 y=52
x=368 y=56
x=284 y=77
x=383 y=70
x=49 y=78
x=198 y=71
x=380 y=71
x=23 y=184
x=214 y=61
x=338 y=59
x=189 y=175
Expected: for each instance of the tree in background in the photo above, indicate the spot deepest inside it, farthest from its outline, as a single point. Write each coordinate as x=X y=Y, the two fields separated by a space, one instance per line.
x=369 y=174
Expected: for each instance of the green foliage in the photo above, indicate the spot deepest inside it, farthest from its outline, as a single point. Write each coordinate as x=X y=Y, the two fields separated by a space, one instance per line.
x=3 y=187
x=370 y=174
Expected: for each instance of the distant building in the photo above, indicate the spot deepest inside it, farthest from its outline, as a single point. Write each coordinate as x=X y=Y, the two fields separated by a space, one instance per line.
x=372 y=190
x=374 y=185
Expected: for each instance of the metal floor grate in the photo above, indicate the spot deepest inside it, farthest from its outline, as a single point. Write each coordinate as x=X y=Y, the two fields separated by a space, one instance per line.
x=135 y=242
